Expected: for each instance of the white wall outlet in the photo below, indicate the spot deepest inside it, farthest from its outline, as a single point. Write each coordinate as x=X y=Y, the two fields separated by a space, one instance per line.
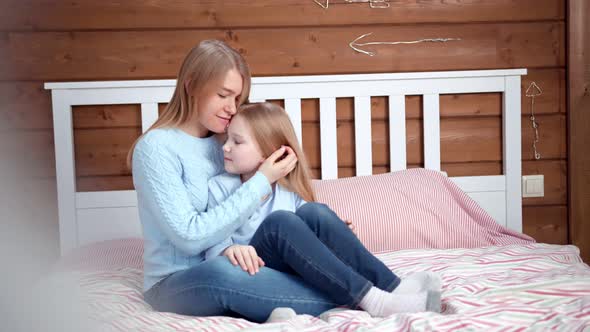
x=533 y=186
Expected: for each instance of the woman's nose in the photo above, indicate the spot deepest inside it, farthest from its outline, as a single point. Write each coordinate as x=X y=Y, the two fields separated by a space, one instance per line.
x=231 y=109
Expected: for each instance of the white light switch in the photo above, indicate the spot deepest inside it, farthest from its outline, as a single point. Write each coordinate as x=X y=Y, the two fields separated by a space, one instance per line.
x=533 y=186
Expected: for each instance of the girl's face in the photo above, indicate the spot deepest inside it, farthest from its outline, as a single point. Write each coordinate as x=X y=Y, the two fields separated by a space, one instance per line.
x=241 y=152
x=217 y=103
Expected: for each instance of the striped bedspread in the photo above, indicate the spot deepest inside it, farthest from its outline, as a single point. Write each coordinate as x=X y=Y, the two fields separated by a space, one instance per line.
x=507 y=288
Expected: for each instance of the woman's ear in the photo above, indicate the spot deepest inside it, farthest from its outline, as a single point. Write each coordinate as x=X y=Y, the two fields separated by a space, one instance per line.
x=187 y=88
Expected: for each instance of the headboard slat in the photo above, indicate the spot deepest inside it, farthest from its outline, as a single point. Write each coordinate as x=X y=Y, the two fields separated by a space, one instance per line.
x=431 y=131
x=293 y=108
x=65 y=170
x=149 y=115
x=362 y=136
x=397 y=132
x=328 y=142
x=511 y=141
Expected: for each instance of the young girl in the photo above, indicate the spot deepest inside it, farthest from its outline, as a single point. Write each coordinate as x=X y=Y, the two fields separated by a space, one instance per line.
x=291 y=233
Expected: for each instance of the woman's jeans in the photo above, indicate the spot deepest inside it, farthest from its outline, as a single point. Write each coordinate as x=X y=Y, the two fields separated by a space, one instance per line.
x=313 y=263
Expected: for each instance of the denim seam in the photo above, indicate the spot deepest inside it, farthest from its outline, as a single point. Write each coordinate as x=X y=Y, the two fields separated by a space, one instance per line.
x=194 y=286
x=331 y=277
x=362 y=294
x=393 y=285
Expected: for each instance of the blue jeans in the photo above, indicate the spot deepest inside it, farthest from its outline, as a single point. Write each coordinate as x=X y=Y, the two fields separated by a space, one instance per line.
x=313 y=263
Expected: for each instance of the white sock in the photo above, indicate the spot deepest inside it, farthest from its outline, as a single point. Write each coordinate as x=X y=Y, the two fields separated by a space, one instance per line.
x=281 y=314
x=418 y=282
x=379 y=303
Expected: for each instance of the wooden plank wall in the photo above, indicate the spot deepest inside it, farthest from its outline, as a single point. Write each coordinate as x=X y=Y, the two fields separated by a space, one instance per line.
x=113 y=40
x=578 y=124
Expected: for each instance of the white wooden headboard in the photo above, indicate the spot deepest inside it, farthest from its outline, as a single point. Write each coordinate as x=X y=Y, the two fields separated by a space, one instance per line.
x=86 y=217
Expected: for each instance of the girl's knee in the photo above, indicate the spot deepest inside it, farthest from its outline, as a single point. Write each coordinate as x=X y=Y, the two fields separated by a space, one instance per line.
x=314 y=208
x=313 y=212
x=280 y=220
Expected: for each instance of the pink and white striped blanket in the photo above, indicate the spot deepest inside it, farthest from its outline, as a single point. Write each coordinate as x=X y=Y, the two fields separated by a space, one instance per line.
x=497 y=288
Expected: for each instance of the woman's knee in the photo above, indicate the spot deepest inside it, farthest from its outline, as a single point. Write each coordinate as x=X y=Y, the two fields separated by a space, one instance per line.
x=197 y=290
x=218 y=271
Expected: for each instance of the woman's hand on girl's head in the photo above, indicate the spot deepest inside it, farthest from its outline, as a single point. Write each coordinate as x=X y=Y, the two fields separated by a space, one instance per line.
x=245 y=256
x=279 y=164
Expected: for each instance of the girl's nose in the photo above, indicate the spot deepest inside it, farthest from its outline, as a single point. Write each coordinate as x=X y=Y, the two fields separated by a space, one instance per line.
x=225 y=147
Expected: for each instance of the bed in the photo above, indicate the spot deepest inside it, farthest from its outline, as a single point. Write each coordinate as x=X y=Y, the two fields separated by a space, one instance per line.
x=467 y=229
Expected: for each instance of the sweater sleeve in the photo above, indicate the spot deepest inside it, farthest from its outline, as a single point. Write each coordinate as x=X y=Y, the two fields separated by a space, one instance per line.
x=217 y=193
x=157 y=176
x=218 y=249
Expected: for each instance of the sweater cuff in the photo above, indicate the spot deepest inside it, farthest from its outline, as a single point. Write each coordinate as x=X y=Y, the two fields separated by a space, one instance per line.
x=260 y=184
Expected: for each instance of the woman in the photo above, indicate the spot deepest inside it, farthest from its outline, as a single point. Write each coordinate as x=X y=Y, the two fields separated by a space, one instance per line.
x=171 y=165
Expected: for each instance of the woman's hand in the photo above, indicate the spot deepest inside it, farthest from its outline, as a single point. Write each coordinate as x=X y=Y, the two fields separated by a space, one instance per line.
x=276 y=167
x=245 y=256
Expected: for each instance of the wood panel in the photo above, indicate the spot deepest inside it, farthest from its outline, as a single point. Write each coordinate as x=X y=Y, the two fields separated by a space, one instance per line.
x=106 y=116
x=162 y=14
x=546 y=224
x=27 y=105
x=103 y=151
x=102 y=183
x=579 y=124
x=553 y=85
x=552 y=137
x=157 y=54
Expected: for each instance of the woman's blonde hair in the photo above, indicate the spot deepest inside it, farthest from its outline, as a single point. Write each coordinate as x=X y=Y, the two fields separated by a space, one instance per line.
x=206 y=63
x=271 y=128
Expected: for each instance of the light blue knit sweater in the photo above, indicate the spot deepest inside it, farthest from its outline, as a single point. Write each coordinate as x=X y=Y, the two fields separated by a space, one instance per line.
x=170 y=173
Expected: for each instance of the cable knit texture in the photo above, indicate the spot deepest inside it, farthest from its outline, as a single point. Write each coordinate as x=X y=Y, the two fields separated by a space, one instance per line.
x=170 y=173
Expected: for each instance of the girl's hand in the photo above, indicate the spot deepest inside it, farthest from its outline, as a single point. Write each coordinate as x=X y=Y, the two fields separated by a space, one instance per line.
x=245 y=256
x=351 y=226
x=276 y=167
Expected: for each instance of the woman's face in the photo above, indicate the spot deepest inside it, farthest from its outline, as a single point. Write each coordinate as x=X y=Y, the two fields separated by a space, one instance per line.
x=241 y=153
x=217 y=103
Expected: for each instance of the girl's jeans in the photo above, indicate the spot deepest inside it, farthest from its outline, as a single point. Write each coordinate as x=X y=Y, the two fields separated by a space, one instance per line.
x=313 y=263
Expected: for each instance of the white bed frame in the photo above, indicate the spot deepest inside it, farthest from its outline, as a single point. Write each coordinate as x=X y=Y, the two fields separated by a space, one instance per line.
x=86 y=217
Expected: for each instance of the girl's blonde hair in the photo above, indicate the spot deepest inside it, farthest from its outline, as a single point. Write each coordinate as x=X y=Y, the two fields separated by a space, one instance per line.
x=271 y=128
x=206 y=63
